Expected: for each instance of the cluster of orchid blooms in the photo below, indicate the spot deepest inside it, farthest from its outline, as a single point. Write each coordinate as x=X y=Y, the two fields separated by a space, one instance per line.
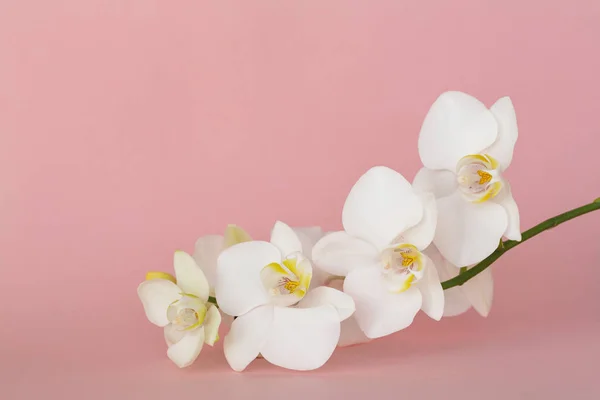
x=293 y=299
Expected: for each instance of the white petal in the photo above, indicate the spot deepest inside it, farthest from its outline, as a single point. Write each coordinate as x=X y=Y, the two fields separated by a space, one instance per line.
x=239 y=287
x=480 y=291
x=206 y=252
x=328 y=296
x=190 y=277
x=506 y=200
x=380 y=206
x=184 y=352
x=456 y=125
x=351 y=333
x=308 y=236
x=431 y=291
x=212 y=322
x=502 y=148
x=246 y=337
x=156 y=296
x=235 y=235
x=285 y=239
x=339 y=253
x=467 y=233
x=455 y=302
x=302 y=338
x=422 y=234
x=320 y=277
x=378 y=311
x=439 y=182
x=173 y=334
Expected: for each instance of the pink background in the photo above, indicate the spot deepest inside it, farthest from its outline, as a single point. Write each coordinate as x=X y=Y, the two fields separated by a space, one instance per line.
x=130 y=128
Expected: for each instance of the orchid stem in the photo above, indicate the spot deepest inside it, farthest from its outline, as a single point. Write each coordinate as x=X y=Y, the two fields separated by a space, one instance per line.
x=213 y=300
x=464 y=276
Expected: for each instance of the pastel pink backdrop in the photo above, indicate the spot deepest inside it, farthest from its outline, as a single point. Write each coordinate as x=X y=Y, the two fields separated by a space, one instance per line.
x=130 y=128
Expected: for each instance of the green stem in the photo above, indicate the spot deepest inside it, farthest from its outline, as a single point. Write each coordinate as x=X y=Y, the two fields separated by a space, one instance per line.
x=464 y=276
x=213 y=300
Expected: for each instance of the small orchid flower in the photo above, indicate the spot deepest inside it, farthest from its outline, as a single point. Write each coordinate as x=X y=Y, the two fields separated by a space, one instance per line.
x=477 y=292
x=267 y=286
x=351 y=333
x=180 y=305
x=386 y=227
x=465 y=148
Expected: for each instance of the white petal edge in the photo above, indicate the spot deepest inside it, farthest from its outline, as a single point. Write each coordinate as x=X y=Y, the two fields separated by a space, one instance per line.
x=431 y=291
x=456 y=125
x=338 y=253
x=381 y=205
x=479 y=290
x=455 y=301
x=421 y=235
x=186 y=351
x=506 y=200
x=173 y=334
x=351 y=333
x=309 y=236
x=156 y=296
x=234 y=235
x=247 y=336
x=206 y=253
x=324 y=295
x=508 y=132
x=212 y=322
x=285 y=239
x=302 y=339
x=320 y=277
x=441 y=183
x=467 y=233
x=189 y=275
x=379 y=312
x=239 y=287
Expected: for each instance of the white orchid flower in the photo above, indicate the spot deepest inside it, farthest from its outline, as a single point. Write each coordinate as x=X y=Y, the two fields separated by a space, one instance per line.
x=180 y=305
x=465 y=148
x=351 y=333
x=477 y=292
x=387 y=225
x=267 y=287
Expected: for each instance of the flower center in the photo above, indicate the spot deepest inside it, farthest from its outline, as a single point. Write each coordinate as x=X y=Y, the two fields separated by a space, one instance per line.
x=402 y=266
x=287 y=282
x=478 y=177
x=186 y=313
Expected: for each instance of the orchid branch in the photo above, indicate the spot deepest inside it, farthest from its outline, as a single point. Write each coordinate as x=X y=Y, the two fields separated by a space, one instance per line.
x=465 y=275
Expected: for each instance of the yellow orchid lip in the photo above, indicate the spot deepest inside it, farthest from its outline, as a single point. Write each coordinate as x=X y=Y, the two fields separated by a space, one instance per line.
x=285 y=279
x=187 y=313
x=478 y=177
x=402 y=266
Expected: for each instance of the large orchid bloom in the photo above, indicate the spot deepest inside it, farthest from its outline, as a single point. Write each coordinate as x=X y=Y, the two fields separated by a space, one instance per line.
x=465 y=148
x=180 y=305
x=386 y=227
x=267 y=286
